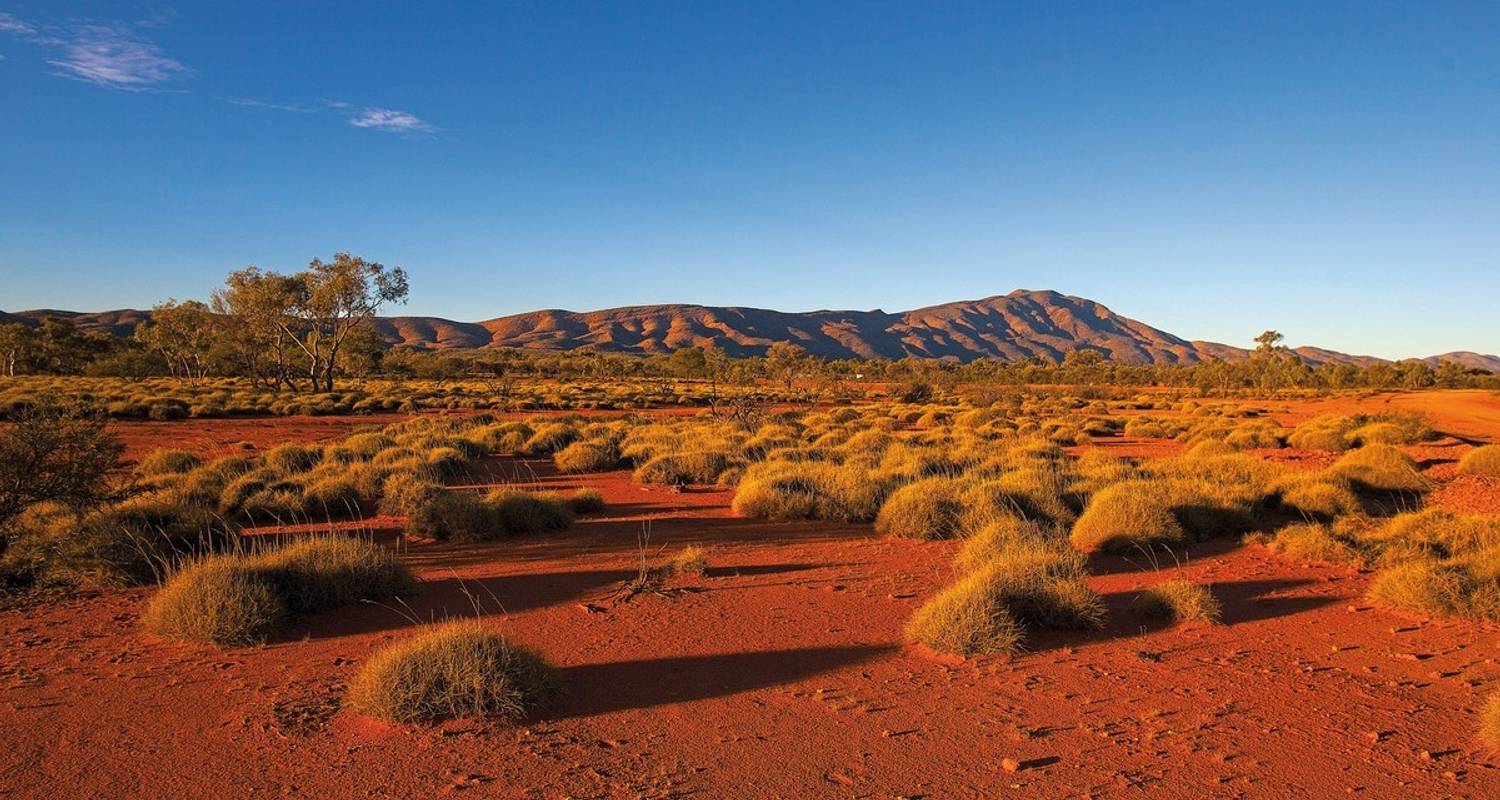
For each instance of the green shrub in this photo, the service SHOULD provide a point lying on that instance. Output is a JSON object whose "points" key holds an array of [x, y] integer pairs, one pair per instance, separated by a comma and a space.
{"points": [[456, 669]]}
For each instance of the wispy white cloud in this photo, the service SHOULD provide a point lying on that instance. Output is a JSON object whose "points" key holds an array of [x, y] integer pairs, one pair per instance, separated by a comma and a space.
{"points": [[113, 56], [10, 24], [250, 102], [385, 119]]}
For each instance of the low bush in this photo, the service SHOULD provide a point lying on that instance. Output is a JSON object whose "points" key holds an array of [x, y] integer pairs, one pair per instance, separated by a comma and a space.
{"points": [[456, 515], [216, 601], [291, 459], [1489, 721], [516, 512], [676, 469], [1315, 542], [455, 669], [690, 560], [1319, 496]]}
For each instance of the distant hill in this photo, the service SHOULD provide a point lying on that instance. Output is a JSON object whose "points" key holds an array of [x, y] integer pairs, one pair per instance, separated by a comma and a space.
{"points": [[1468, 359], [1019, 325]]}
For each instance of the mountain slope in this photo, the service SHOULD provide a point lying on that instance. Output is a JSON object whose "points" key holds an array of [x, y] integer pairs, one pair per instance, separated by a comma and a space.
{"points": [[1022, 324]]}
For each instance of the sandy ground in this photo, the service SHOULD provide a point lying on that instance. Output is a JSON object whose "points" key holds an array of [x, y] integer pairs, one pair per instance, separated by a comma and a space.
{"points": [[780, 674]]}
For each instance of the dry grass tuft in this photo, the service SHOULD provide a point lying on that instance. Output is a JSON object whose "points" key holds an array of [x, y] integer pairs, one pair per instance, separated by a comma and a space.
{"points": [[1482, 461], [586, 501], [1315, 542], [927, 509], [455, 669], [1180, 600], [589, 456], [1381, 468], [690, 560], [1125, 516], [240, 599], [216, 601], [989, 610], [1489, 721]]}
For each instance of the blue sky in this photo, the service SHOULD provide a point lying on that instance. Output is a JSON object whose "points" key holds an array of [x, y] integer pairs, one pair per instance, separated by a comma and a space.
{"points": [[1331, 170]]}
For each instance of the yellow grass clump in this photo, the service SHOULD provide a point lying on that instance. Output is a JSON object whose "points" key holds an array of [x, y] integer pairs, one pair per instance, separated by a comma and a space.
{"points": [[1489, 721], [926, 509], [451, 670], [1179, 600], [1380, 468], [990, 609], [1125, 516], [1481, 461], [240, 599], [216, 601], [690, 560], [587, 456]]}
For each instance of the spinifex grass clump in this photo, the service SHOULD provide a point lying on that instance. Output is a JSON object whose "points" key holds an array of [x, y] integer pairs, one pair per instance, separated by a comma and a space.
{"points": [[242, 598], [1179, 600], [1028, 585], [451, 670], [1126, 516], [1483, 462], [1380, 468]]}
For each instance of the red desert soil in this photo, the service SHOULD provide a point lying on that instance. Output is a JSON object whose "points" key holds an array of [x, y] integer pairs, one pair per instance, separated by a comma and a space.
{"points": [[780, 674]]}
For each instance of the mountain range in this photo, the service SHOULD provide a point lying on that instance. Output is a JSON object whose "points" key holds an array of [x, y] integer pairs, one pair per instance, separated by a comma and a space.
{"points": [[1019, 325]]}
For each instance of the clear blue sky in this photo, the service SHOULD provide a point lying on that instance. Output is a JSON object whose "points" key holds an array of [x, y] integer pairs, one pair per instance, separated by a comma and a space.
{"points": [[1328, 169]]}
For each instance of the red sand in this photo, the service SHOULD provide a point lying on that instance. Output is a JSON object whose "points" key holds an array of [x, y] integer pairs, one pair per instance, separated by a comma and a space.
{"points": [[781, 674]]}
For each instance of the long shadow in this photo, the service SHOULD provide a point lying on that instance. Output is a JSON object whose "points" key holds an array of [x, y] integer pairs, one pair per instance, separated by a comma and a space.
{"points": [[1246, 601], [590, 689], [762, 569], [1241, 601], [447, 597], [1138, 561]]}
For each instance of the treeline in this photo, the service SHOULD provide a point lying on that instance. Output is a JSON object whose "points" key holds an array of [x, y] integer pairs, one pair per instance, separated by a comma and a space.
{"points": [[301, 331]]}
